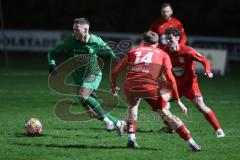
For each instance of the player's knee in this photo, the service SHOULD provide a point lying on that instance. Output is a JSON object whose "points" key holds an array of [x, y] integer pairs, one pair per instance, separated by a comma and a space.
{"points": [[205, 109], [200, 104], [202, 107], [132, 113], [83, 97], [168, 105], [171, 119], [92, 114]]}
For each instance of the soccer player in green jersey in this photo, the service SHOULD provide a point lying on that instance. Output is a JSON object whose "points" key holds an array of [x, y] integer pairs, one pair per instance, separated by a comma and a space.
{"points": [[87, 77]]}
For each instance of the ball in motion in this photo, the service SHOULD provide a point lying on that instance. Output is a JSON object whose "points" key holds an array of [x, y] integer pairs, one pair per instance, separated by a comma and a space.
{"points": [[33, 127]]}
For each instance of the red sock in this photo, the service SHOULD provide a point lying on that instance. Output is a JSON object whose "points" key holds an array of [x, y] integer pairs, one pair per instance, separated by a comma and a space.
{"points": [[211, 118], [131, 126], [183, 133]]}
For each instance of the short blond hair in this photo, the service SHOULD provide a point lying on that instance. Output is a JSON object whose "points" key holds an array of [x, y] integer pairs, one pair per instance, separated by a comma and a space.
{"points": [[82, 21]]}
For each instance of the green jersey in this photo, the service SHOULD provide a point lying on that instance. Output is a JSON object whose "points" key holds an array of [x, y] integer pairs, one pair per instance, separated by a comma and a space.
{"points": [[73, 48]]}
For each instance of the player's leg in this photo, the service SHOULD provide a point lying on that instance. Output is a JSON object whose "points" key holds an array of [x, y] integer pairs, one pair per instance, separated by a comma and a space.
{"points": [[193, 93], [166, 95], [90, 103], [159, 106], [87, 87], [209, 115], [178, 126], [110, 121], [132, 113], [90, 111]]}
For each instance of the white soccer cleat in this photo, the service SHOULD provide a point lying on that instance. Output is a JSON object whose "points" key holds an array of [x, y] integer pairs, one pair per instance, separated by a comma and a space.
{"points": [[220, 133], [121, 128]]}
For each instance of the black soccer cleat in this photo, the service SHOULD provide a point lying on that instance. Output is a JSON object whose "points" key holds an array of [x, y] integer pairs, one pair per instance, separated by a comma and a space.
{"points": [[195, 147], [132, 144]]}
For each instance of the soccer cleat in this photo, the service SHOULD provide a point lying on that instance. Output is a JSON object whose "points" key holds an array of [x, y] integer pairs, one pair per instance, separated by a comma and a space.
{"points": [[132, 144], [166, 129], [220, 133], [110, 127], [195, 147], [121, 128]]}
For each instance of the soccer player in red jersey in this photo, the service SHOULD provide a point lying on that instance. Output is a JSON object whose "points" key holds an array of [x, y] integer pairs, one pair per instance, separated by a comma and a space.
{"points": [[166, 21], [145, 65], [182, 58]]}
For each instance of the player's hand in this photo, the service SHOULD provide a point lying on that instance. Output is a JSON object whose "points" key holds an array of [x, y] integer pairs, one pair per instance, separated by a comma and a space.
{"points": [[114, 91], [182, 106], [52, 69], [209, 74]]}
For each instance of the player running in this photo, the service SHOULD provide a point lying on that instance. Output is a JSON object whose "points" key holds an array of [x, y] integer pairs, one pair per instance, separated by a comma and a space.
{"points": [[166, 21], [145, 65], [87, 77], [182, 58]]}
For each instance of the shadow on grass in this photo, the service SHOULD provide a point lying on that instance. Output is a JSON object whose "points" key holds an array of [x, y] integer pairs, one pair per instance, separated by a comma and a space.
{"points": [[26, 135], [84, 146], [141, 130], [23, 135]]}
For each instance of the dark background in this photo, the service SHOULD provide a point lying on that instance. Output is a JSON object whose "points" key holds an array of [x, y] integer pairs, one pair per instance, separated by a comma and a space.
{"points": [[199, 17]]}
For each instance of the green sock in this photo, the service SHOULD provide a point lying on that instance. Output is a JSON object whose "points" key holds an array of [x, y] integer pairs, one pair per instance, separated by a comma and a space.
{"points": [[84, 103], [96, 106], [113, 119]]}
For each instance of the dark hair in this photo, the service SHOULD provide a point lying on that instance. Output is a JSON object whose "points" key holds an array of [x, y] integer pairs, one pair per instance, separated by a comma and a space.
{"points": [[82, 21], [172, 30], [165, 5], [150, 37]]}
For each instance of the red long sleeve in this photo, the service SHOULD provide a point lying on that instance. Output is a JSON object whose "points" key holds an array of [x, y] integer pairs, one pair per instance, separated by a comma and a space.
{"points": [[202, 59]]}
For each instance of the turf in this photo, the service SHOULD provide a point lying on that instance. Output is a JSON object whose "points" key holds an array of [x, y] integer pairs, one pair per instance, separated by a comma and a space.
{"points": [[25, 94]]}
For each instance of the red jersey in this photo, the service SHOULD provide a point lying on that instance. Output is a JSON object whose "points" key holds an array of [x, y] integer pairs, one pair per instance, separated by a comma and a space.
{"points": [[160, 25], [144, 66], [183, 63]]}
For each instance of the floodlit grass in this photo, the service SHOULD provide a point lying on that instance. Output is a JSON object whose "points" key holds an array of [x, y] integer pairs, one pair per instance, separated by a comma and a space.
{"points": [[26, 94]]}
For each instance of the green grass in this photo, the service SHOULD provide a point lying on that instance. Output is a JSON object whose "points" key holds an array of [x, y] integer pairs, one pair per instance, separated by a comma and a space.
{"points": [[26, 94]]}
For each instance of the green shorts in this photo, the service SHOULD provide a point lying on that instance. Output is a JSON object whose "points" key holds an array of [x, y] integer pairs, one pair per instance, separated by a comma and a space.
{"points": [[92, 81]]}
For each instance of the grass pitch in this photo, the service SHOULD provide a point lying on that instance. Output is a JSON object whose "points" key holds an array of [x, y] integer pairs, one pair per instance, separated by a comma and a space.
{"points": [[26, 94]]}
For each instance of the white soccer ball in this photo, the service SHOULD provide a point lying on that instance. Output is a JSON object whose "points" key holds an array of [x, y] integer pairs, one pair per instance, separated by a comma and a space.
{"points": [[33, 127]]}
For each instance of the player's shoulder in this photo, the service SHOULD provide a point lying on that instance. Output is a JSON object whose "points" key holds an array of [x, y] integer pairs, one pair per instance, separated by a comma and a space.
{"points": [[175, 20], [146, 49], [164, 54], [69, 38], [187, 49], [157, 21], [95, 39]]}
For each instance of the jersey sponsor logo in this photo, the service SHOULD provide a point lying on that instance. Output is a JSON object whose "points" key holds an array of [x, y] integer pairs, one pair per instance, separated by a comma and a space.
{"points": [[181, 59], [139, 69], [178, 71]]}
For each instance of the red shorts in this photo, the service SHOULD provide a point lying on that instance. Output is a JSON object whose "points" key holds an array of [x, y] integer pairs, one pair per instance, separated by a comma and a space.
{"points": [[190, 90], [150, 93]]}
